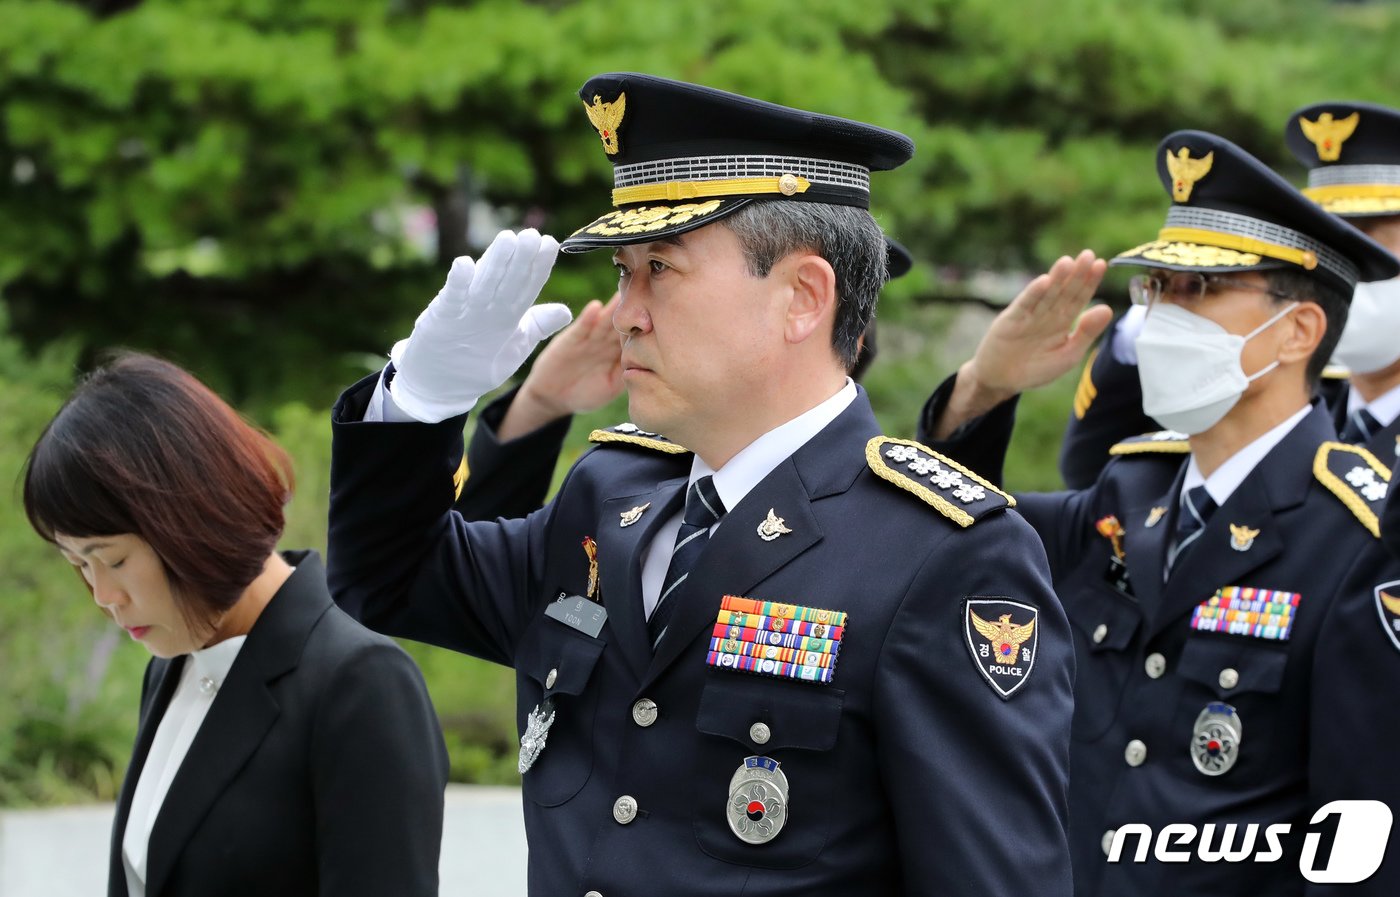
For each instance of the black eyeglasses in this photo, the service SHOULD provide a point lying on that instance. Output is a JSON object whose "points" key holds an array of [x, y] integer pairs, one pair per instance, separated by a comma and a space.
{"points": [[1189, 286]]}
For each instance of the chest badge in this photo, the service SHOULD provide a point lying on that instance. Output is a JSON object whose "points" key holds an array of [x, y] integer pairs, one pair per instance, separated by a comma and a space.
{"points": [[1242, 537], [632, 515], [772, 527], [758, 800], [1215, 740], [1001, 634]]}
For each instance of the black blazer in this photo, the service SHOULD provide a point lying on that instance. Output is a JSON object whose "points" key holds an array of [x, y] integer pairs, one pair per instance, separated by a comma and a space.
{"points": [[320, 768]]}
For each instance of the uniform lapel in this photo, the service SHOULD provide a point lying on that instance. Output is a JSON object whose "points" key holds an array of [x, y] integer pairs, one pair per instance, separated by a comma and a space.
{"points": [[1277, 483], [737, 560], [1385, 445], [1146, 546], [165, 676], [240, 716], [621, 551]]}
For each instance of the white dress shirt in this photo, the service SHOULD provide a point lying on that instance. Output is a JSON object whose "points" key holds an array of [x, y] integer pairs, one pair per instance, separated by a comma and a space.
{"points": [[736, 478], [203, 673], [1385, 409], [1227, 477]]}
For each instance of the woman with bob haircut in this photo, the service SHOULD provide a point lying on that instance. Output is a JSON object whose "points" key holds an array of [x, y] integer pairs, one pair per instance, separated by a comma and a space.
{"points": [[282, 748]]}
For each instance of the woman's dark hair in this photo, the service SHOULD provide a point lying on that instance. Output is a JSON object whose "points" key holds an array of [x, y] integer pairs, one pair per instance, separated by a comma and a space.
{"points": [[142, 447]]}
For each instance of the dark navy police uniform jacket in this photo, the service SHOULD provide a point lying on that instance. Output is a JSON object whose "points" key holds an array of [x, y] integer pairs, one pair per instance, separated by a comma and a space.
{"points": [[1153, 656], [909, 771]]}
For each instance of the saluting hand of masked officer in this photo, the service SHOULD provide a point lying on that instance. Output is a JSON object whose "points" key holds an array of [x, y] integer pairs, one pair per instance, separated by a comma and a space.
{"points": [[1039, 337], [479, 328]]}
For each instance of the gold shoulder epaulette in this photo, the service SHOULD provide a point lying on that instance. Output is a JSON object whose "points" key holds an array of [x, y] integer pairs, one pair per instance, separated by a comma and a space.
{"points": [[1357, 477], [459, 478], [1336, 372], [1086, 391], [1162, 442], [631, 434], [958, 493]]}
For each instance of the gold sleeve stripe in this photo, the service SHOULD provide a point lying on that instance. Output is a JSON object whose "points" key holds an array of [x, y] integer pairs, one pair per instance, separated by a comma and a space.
{"points": [[1086, 392], [459, 479]]}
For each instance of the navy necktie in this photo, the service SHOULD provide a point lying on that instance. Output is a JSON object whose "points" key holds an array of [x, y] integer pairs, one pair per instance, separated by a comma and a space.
{"points": [[1361, 426], [1191, 518], [703, 509]]}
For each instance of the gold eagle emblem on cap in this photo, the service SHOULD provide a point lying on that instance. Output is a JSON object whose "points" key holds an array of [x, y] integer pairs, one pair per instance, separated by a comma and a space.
{"points": [[1328, 134], [1006, 637], [1186, 171], [607, 118]]}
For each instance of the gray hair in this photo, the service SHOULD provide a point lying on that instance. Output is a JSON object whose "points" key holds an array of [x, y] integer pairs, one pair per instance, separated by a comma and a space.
{"points": [[847, 237]]}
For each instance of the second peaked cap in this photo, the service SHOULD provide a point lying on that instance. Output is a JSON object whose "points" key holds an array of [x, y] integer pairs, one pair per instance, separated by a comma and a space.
{"points": [[1231, 212], [685, 156]]}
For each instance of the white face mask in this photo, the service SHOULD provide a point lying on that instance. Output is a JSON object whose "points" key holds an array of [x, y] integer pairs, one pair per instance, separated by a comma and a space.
{"points": [[1190, 367], [1371, 339]]}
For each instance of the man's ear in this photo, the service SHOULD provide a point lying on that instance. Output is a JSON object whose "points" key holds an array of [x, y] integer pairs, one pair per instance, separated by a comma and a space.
{"points": [[811, 303], [1306, 326]]}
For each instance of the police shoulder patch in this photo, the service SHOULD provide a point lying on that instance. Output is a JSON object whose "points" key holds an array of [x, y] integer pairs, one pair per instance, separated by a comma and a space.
{"points": [[1002, 636], [958, 493], [1162, 442], [1388, 606], [1355, 476], [631, 434]]}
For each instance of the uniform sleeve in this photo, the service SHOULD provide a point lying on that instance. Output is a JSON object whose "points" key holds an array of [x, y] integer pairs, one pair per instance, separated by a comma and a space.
{"points": [[1107, 410], [399, 559], [980, 443], [379, 768], [1354, 731], [509, 479], [969, 774]]}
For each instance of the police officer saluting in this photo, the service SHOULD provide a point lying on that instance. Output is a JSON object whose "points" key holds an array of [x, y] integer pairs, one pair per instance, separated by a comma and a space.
{"points": [[1201, 568], [772, 651]]}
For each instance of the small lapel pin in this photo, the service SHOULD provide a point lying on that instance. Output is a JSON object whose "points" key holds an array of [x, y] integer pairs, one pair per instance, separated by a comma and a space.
{"points": [[635, 514], [772, 527], [1154, 517], [1113, 531], [1242, 537]]}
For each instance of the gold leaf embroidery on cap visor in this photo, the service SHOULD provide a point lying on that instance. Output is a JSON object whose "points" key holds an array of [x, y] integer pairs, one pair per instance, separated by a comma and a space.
{"points": [[647, 219], [1192, 254]]}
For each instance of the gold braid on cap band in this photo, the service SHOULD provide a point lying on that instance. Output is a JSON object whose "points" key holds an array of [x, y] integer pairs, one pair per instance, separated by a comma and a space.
{"points": [[673, 191], [1352, 191], [1304, 258]]}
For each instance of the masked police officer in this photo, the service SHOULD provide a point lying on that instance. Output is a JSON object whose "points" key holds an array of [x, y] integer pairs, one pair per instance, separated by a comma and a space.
{"points": [[776, 652], [1352, 153], [1200, 570]]}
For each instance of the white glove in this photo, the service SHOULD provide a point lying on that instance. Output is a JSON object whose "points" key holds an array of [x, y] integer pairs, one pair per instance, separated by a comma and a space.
{"points": [[479, 328]]}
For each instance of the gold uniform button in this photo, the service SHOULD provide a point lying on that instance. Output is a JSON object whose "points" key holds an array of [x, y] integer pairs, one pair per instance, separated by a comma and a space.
{"points": [[644, 712], [760, 733], [787, 184], [625, 809], [1100, 633], [1229, 677]]}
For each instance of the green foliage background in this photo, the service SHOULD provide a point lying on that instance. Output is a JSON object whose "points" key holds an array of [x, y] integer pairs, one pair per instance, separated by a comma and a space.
{"points": [[231, 183]]}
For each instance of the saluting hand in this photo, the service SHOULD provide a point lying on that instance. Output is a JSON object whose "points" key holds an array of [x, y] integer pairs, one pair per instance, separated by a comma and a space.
{"points": [[1041, 335], [479, 328]]}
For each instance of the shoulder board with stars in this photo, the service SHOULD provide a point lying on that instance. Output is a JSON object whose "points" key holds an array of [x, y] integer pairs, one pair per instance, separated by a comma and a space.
{"points": [[1162, 442], [958, 493], [1355, 476], [631, 434]]}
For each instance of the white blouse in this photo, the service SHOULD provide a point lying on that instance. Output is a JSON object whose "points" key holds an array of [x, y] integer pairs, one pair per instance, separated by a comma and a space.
{"points": [[203, 673]]}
